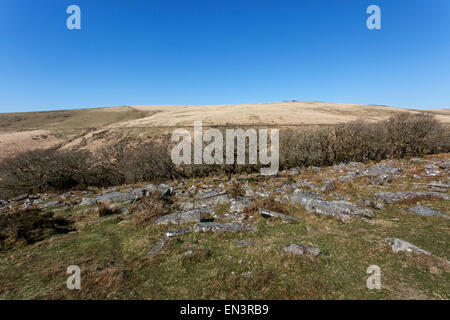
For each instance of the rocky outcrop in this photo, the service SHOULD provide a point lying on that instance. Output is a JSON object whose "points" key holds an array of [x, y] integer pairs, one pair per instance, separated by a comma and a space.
{"points": [[425, 211], [238, 204], [372, 204], [338, 209], [177, 232], [399, 245], [134, 195], [183, 217], [158, 247], [272, 214], [398, 197], [215, 226], [301, 249], [20, 197], [50, 204]]}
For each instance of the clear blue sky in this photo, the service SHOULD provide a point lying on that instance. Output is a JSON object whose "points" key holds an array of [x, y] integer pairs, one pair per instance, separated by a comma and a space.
{"points": [[223, 52]]}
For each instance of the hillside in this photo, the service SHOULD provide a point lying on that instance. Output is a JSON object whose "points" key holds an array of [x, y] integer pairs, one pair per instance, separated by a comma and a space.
{"points": [[90, 128], [304, 234]]}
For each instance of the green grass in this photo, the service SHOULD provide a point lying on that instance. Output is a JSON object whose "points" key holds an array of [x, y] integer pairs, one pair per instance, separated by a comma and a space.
{"points": [[114, 263], [112, 254]]}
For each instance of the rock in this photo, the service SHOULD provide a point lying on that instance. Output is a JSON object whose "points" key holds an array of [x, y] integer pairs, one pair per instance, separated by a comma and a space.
{"points": [[425, 211], [177, 232], [371, 204], [272, 214], [262, 194], [232, 216], [249, 191], [439, 186], [402, 245], [21, 197], [206, 199], [182, 217], [211, 195], [50, 204], [150, 188], [382, 170], [301, 249], [244, 243], [379, 174], [66, 195], [330, 186], [165, 190], [338, 209], [187, 253], [294, 171], [445, 165], [87, 202], [432, 171], [158, 247], [397, 197], [135, 194], [238, 204], [215, 226]]}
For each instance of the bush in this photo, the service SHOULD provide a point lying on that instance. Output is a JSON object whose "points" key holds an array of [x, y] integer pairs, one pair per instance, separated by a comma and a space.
{"points": [[150, 208], [131, 161], [400, 136], [106, 209], [236, 190], [29, 226]]}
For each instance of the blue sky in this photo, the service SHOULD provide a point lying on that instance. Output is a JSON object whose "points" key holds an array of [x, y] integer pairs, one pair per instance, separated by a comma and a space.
{"points": [[223, 52]]}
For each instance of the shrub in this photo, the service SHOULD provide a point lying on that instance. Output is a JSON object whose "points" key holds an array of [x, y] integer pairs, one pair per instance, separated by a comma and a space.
{"points": [[29, 226], [150, 208], [236, 190], [106, 209]]}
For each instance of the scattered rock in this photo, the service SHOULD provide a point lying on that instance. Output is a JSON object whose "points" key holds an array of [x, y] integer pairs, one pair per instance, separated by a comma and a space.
{"points": [[215, 226], [249, 191], [231, 216], [238, 204], [272, 214], [330, 186], [244, 243], [432, 171], [182, 217], [425, 211], [21, 197], [134, 195], [87, 201], [439, 186], [372, 204], [402, 245], [158, 247], [50, 204], [397, 197], [66, 195], [178, 232], [301, 249], [445, 165], [338, 209], [294, 171]]}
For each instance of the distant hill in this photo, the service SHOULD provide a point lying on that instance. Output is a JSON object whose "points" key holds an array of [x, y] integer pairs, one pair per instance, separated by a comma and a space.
{"points": [[92, 127]]}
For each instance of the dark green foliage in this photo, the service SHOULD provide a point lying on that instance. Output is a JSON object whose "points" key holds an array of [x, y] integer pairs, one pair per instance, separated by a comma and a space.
{"points": [[29, 226]]}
